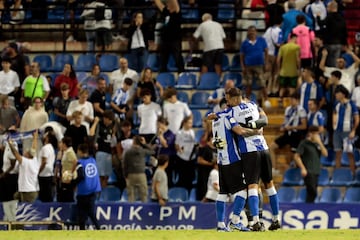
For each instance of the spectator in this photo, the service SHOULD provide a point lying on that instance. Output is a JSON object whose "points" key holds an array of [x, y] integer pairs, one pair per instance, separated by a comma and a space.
{"points": [[46, 171], [33, 118], [314, 10], [274, 11], [305, 39], [219, 94], [170, 34], [185, 146], [84, 106], [213, 35], [66, 164], [148, 113], [89, 25], [61, 105], [355, 97], [288, 62], [319, 46], [9, 116], [274, 39], [315, 117], [118, 76], [253, 56], [9, 80], [88, 186], [121, 98], [17, 14], [295, 123], [160, 181], [67, 76], [90, 82], [104, 141], [34, 85], [335, 33], [9, 183], [347, 74], [148, 82], [213, 187], [165, 145], [28, 183], [134, 169], [346, 120], [118, 15], [174, 110], [289, 19], [310, 89], [98, 97], [17, 60], [103, 16], [206, 157], [138, 45], [307, 158], [76, 131]]}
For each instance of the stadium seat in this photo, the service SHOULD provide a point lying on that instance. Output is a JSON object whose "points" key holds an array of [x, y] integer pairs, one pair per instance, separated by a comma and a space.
{"points": [[235, 63], [330, 195], [323, 179], [44, 61], [124, 196], [153, 62], [226, 12], [183, 96], [171, 66], [189, 13], [166, 79], [225, 66], [236, 77], [209, 81], [178, 194], [301, 196], [186, 80], [357, 178], [110, 194], [112, 178], [81, 76], [292, 177], [286, 194], [108, 62], [192, 196], [198, 134], [345, 160], [85, 62], [199, 100], [341, 177], [197, 118], [61, 59], [352, 195]]}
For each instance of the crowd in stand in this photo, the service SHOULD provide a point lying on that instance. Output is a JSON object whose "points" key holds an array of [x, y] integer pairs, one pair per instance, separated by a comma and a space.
{"points": [[303, 55]]}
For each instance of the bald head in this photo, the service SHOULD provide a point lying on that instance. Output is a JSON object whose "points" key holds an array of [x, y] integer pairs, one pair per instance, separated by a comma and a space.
{"points": [[206, 16], [229, 84], [332, 6]]}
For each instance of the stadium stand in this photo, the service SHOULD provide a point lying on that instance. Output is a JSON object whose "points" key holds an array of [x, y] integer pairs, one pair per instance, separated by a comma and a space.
{"points": [[330, 195], [166, 79], [287, 194], [352, 195], [199, 100], [292, 177], [111, 194], [178, 194], [85, 62], [341, 177], [209, 81]]}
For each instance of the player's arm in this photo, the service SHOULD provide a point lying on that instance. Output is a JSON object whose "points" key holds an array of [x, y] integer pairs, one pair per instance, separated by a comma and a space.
{"points": [[260, 123], [14, 151]]}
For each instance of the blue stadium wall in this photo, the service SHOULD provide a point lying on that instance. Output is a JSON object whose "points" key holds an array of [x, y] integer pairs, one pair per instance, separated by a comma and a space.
{"points": [[126, 216]]}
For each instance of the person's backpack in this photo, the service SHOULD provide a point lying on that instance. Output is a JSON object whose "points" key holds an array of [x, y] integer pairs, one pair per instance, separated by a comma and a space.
{"points": [[100, 13]]}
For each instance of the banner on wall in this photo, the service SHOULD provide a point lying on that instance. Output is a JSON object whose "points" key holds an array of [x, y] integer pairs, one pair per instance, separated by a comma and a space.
{"points": [[126, 216]]}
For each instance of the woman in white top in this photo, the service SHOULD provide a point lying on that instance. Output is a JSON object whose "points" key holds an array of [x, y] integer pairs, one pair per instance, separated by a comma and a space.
{"points": [[185, 145], [213, 187]]}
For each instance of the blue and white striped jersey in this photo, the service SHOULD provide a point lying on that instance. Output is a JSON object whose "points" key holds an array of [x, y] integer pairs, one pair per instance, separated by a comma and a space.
{"points": [[344, 116], [310, 91], [293, 116], [221, 128], [316, 119]]}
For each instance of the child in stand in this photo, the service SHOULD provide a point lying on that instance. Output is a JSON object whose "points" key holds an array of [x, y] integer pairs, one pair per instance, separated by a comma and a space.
{"points": [[213, 187], [160, 181]]}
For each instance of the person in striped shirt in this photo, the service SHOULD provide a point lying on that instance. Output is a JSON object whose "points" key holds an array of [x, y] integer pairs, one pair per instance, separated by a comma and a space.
{"points": [[345, 122]]}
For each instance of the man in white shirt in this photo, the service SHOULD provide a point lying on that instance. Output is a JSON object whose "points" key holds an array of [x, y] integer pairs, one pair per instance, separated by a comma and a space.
{"points": [[213, 35], [347, 74], [9, 80], [118, 76], [174, 110]]}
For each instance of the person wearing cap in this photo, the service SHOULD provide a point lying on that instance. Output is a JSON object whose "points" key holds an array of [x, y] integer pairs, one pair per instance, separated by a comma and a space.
{"points": [[9, 79], [346, 120], [288, 62], [28, 182], [347, 73]]}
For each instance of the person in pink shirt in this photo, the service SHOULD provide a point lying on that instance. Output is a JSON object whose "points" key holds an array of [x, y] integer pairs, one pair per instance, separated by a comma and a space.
{"points": [[68, 76], [305, 38]]}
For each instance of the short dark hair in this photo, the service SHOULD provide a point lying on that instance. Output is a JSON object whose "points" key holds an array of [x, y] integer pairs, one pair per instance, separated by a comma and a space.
{"points": [[315, 101], [128, 81], [67, 141], [162, 159], [300, 18], [109, 115], [145, 92], [313, 129], [126, 123], [234, 92], [295, 95], [163, 120], [169, 92], [342, 89], [84, 148], [292, 35], [336, 74]]}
